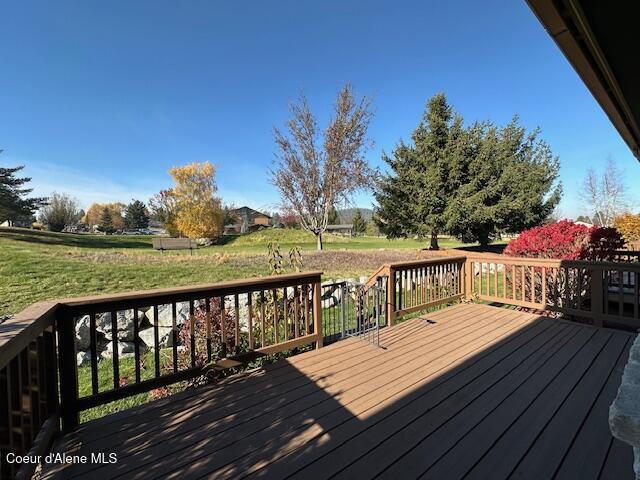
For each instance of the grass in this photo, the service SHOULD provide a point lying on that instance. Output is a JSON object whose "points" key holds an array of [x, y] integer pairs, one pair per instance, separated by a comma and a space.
{"points": [[43, 265]]}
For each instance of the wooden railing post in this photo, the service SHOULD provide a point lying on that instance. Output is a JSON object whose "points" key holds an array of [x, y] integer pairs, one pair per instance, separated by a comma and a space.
{"points": [[317, 313], [68, 372], [468, 279], [391, 297], [51, 372], [597, 296]]}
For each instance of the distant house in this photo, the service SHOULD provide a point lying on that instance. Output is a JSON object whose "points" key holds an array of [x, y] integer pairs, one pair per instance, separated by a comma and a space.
{"points": [[585, 224], [156, 227], [345, 229], [247, 220], [23, 223]]}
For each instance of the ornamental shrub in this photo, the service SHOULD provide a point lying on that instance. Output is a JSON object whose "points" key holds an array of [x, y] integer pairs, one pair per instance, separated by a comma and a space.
{"points": [[568, 241]]}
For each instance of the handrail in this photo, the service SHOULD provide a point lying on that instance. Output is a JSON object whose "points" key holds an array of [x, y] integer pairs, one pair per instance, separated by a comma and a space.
{"points": [[603, 264], [186, 293], [419, 284], [19, 331], [425, 262], [250, 318], [601, 291]]}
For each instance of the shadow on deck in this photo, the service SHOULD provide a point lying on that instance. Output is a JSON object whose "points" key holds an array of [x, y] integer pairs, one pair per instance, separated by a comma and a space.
{"points": [[469, 391]]}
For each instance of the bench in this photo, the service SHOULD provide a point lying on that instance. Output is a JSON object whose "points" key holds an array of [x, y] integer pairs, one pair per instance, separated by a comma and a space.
{"points": [[163, 244]]}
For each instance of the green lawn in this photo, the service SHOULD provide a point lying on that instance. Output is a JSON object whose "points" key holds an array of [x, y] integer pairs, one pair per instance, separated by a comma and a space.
{"points": [[42, 265]]}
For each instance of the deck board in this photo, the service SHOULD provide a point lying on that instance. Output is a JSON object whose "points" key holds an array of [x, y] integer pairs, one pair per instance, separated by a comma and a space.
{"points": [[467, 390]]}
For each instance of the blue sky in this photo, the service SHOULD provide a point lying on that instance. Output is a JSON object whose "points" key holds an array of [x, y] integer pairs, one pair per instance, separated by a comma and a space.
{"points": [[99, 99]]}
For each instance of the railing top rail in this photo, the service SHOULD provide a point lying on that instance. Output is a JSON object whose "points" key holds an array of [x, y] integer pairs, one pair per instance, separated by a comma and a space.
{"points": [[425, 261], [193, 292], [17, 332], [553, 262], [600, 265], [496, 258]]}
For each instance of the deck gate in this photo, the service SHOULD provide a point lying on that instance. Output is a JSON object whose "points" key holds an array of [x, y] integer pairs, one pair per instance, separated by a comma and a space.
{"points": [[354, 310]]}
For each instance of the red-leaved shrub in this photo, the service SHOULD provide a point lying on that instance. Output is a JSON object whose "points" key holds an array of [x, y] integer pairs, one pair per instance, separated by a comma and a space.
{"points": [[566, 240]]}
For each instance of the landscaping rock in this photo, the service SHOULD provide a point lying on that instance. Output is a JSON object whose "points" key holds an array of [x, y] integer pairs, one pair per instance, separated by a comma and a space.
{"points": [[82, 358], [124, 324], [164, 335], [204, 242], [165, 315], [125, 349], [4, 318], [331, 296], [243, 307], [83, 334]]}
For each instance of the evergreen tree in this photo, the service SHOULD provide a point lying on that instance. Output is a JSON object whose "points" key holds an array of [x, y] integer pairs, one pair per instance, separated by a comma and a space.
{"points": [[135, 215], [372, 229], [475, 183], [505, 181], [14, 204], [334, 216], [106, 221], [359, 225], [413, 197]]}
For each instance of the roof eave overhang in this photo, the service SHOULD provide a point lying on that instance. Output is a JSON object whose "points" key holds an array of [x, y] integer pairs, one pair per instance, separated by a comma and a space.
{"points": [[565, 21]]}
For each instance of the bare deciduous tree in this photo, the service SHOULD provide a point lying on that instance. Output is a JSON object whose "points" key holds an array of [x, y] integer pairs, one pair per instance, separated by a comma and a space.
{"points": [[313, 178], [61, 211], [605, 194]]}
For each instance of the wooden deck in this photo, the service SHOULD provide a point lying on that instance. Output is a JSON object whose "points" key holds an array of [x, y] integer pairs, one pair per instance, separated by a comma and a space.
{"points": [[469, 391]]}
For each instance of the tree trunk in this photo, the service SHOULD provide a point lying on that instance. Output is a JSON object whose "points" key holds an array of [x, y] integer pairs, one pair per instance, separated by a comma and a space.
{"points": [[319, 240], [434, 241], [483, 240]]}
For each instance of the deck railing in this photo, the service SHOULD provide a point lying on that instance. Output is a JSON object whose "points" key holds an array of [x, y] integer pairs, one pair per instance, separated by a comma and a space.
{"points": [[132, 343], [420, 284], [131, 346], [603, 292], [28, 387]]}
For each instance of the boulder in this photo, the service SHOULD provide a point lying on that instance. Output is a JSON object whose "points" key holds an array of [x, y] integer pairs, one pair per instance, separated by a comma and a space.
{"points": [[83, 334], [82, 358], [124, 324], [165, 314], [165, 338], [331, 296], [243, 307], [125, 349]]}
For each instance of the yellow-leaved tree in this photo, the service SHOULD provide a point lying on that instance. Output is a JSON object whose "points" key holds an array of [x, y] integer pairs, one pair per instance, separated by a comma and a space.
{"points": [[94, 214], [198, 212], [629, 226]]}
